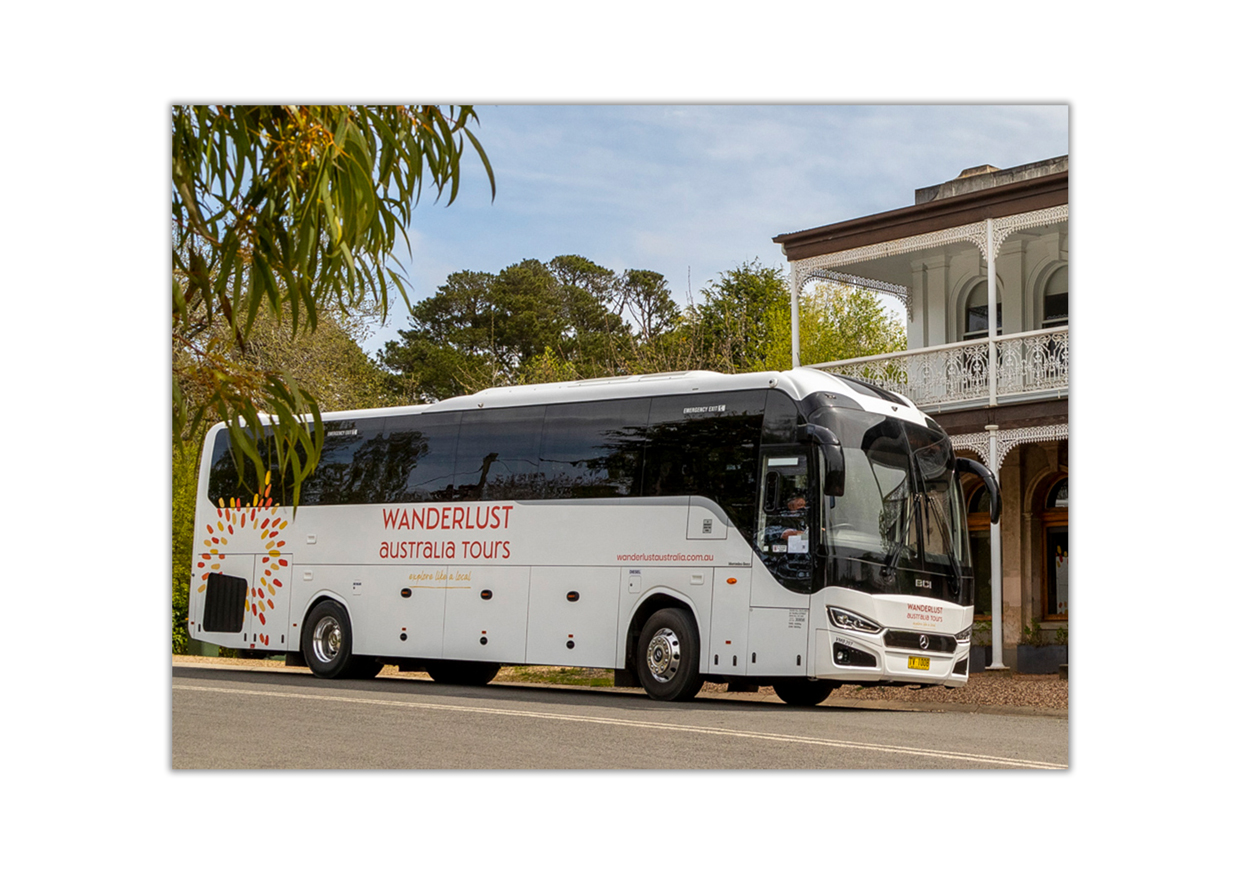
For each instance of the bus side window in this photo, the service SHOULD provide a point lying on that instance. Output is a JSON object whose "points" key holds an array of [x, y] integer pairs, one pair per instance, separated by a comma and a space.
{"points": [[497, 454], [707, 445], [785, 533], [593, 449], [422, 456], [348, 465], [226, 484], [779, 424]]}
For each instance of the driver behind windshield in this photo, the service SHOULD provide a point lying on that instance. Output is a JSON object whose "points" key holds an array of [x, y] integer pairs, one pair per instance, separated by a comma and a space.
{"points": [[790, 523]]}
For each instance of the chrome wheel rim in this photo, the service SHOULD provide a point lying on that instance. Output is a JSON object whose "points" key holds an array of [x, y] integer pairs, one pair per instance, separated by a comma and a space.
{"points": [[327, 639], [663, 655]]}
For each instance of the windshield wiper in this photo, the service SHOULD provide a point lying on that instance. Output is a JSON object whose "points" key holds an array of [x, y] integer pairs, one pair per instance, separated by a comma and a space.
{"points": [[957, 577], [953, 585], [894, 556], [899, 539]]}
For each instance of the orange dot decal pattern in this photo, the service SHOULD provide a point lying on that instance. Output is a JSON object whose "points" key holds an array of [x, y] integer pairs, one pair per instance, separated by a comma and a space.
{"points": [[253, 528]]}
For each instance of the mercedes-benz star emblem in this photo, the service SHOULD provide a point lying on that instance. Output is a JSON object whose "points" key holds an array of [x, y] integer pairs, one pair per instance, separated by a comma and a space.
{"points": [[923, 641]]}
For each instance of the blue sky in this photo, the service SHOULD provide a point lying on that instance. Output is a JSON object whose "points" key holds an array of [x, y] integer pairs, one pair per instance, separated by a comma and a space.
{"points": [[693, 190]]}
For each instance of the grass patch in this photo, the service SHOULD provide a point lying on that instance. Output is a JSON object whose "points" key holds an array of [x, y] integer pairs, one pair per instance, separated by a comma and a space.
{"points": [[557, 676]]}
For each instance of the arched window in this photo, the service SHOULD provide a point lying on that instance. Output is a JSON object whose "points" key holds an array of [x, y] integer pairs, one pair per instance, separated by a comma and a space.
{"points": [[979, 549], [976, 314], [1055, 549], [1055, 300]]}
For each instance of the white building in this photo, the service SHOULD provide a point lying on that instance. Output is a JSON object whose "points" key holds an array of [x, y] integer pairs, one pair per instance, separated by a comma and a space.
{"points": [[987, 355]]}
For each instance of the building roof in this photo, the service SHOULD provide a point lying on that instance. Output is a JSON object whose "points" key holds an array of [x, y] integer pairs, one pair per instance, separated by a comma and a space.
{"points": [[987, 176], [971, 197]]}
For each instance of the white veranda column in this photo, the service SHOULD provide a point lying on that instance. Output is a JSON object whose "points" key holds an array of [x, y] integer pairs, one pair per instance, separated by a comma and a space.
{"points": [[796, 320], [996, 539], [996, 568]]}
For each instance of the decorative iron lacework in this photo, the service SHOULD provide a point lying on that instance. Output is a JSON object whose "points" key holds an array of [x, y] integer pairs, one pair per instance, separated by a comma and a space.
{"points": [[1010, 223], [1027, 363], [1006, 441], [805, 269], [899, 292]]}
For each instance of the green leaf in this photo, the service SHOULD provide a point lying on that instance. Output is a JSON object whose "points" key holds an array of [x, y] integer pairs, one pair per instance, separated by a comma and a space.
{"points": [[482, 155], [256, 237]]}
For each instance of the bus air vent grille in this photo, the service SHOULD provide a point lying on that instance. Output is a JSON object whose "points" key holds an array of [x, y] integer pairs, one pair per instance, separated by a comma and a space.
{"points": [[224, 609]]}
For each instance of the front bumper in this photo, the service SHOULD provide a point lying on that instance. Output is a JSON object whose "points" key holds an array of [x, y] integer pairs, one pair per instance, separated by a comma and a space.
{"points": [[850, 657]]}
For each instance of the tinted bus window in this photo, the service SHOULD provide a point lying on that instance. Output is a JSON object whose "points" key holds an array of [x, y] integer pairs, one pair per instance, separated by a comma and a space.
{"points": [[421, 457], [780, 424], [225, 484], [707, 445], [593, 450], [350, 465], [497, 454]]}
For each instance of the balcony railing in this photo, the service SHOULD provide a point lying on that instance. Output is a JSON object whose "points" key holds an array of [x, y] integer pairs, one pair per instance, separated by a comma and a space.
{"points": [[1028, 366]]}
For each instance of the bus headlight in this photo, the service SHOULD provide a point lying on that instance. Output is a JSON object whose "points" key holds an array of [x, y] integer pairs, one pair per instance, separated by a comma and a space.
{"points": [[964, 636], [851, 621]]}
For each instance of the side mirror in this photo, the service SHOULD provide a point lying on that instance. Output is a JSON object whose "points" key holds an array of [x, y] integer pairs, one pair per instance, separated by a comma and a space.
{"points": [[968, 465], [832, 455]]}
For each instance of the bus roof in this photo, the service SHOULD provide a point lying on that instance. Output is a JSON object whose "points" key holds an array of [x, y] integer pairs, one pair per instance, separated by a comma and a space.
{"points": [[796, 383]]}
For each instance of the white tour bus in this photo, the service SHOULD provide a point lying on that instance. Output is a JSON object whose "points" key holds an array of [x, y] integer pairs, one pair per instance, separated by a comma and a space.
{"points": [[789, 529]]}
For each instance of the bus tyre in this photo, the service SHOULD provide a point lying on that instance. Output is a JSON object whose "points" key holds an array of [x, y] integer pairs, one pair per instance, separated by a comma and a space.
{"points": [[327, 643], [463, 673], [667, 656], [803, 693]]}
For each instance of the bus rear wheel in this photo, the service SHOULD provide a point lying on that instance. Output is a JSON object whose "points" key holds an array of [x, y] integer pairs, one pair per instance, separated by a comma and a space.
{"points": [[327, 645], [667, 656], [803, 693], [463, 673]]}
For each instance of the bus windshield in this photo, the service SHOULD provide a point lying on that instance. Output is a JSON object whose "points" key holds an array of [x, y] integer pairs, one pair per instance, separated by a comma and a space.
{"points": [[901, 508]]}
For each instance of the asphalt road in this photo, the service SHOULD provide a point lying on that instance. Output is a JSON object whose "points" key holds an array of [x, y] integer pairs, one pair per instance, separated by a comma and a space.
{"points": [[257, 719]]}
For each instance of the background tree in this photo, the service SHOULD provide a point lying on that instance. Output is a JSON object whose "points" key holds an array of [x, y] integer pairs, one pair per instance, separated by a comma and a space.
{"points": [[736, 317], [292, 211], [574, 319], [645, 298], [529, 323], [837, 322], [450, 347], [598, 335]]}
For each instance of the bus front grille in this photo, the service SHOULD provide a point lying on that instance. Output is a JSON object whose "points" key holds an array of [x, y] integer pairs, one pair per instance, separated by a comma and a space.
{"points": [[913, 640]]}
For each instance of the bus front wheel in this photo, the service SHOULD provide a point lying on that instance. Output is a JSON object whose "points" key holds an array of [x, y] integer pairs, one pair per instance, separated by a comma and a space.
{"points": [[327, 645], [667, 656]]}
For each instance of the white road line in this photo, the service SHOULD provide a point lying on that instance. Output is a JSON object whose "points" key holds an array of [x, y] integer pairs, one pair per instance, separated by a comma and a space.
{"points": [[974, 758]]}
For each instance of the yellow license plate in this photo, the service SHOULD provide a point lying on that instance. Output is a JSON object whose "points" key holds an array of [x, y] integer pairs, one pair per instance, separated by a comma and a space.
{"points": [[920, 663]]}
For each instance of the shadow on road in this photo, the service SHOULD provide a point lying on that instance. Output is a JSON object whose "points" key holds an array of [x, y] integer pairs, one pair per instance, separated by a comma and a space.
{"points": [[630, 700]]}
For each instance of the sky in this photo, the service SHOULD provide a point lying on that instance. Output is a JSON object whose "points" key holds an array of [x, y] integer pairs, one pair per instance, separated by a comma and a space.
{"points": [[691, 191]]}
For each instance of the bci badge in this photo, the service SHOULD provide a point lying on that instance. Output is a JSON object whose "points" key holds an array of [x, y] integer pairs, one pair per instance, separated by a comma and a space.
{"points": [[922, 584]]}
